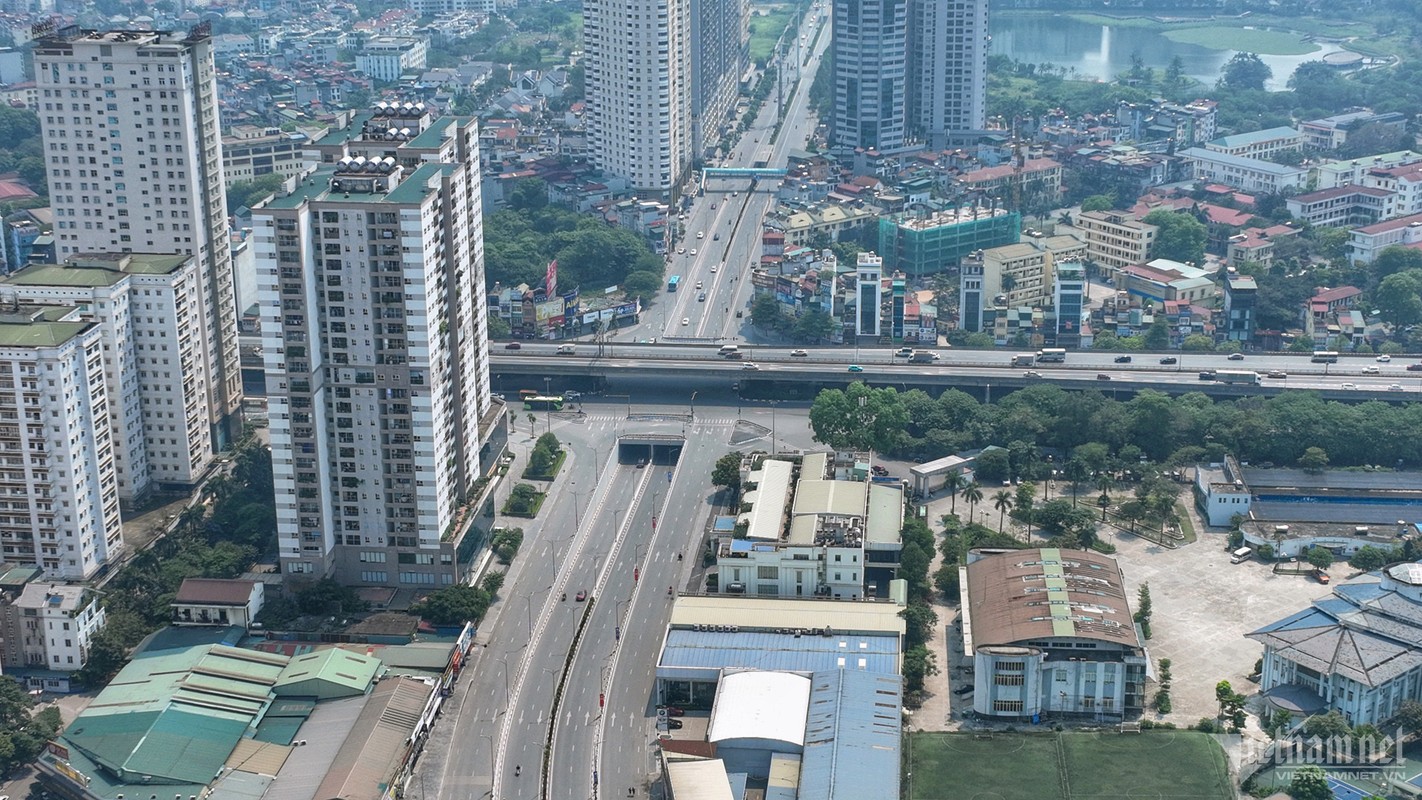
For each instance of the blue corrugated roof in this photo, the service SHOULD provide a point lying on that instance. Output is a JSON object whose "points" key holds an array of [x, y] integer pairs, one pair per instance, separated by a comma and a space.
{"points": [[852, 737], [1308, 618], [778, 651]]}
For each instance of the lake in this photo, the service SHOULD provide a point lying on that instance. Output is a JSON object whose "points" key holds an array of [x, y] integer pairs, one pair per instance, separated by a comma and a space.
{"points": [[1099, 51]]}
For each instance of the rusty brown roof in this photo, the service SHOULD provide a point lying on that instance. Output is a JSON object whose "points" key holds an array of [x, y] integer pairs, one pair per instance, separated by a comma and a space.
{"points": [[215, 591], [1044, 593], [371, 754]]}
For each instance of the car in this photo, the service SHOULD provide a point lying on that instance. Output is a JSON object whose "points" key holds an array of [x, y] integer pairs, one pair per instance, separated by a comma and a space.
{"points": [[1031, 373], [1236, 356], [1170, 360], [903, 352], [799, 354], [751, 366], [740, 313], [1414, 367], [1349, 386], [1322, 577], [572, 394], [715, 237], [673, 711], [1101, 376], [698, 285], [715, 269], [701, 298], [513, 346], [641, 463], [713, 206], [1122, 359], [1277, 373], [962, 690], [1395, 387], [674, 724], [1383, 359], [582, 595], [734, 194], [701, 234], [693, 251], [681, 251], [1371, 369], [686, 320], [879, 470], [855, 368]]}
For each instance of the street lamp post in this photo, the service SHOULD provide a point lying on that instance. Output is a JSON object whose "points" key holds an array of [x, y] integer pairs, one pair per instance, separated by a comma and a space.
{"points": [[693, 406]]}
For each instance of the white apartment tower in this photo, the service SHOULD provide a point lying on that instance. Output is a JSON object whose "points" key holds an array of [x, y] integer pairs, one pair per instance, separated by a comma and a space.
{"points": [[133, 154], [59, 504], [870, 57], [720, 54], [948, 45], [370, 274], [50, 626], [639, 93], [145, 305]]}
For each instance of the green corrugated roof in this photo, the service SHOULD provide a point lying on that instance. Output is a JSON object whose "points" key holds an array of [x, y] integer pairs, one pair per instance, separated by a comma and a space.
{"points": [[412, 188], [97, 270], [38, 332], [431, 137], [347, 133], [328, 673]]}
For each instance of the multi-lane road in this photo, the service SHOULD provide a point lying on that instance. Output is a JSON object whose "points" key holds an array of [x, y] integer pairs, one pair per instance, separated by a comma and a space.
{"points": [[728, 218]]}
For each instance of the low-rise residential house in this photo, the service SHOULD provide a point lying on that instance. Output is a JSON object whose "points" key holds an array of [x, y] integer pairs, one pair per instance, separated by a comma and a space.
{"points": [[49, 627], [1340, 206], [1331, 133], [1366, 242], [1258, 144], [1013, 275], [216, 601], [1256, 245], [1162, 279]]}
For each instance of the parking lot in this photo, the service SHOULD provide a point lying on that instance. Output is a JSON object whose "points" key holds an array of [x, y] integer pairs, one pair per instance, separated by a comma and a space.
{"points": [[1202, 607]]}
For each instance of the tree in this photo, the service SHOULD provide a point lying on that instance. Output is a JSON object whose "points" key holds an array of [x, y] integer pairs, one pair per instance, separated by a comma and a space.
{"points": [[765, 312], [1098, 202], [953, 484], [1143, 609], [814, 326], [1320, 557], [1197, 342], [1175, 77], [453, 605], [1002, 501], [1310, 783], [993, 464], [248, 193], [1180, 237], [1369, 558], [1314, 460], [1398, 298], [1409, 716], [528, 194], [727, 472], [1395, 259], [972, 495], [642, 283], [859, 418], [1245, 71], [919, 663], [1157, 336]]}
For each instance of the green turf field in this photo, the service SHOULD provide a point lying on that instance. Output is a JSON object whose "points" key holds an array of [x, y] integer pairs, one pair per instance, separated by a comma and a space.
{"points": [[1155, 765]]}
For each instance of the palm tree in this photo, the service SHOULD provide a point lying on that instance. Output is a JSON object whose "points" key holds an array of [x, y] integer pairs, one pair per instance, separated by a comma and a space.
{"points": [[1002, 501], [191, 518], [1074, 471], [954, 484], [1104, 482], [972, 495]]}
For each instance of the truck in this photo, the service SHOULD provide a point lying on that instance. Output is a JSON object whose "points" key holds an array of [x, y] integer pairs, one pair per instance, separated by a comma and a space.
{"points": [[1051, 354], [923, 357], [1237, 376], [1024, 359]]}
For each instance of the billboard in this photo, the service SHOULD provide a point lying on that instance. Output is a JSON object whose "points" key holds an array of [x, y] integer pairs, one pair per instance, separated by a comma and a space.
{"points": [[548, 310]]}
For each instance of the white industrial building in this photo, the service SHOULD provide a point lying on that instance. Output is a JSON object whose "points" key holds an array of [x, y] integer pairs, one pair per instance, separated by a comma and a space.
{"points": [[1050, 631], [59, 505], [637, 58], [823, 543], [1357, 651], [50, 627], [370, 275], [147, 100], [145, 306]]}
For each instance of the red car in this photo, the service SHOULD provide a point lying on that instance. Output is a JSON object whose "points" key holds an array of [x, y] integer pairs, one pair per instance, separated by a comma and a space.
{"points": [[1414, 367], [513, 346], [582, 595], [673, 711]]}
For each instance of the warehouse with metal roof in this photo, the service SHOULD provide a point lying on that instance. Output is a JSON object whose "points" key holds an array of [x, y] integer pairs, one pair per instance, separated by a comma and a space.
{"points": [[1050, 631]]}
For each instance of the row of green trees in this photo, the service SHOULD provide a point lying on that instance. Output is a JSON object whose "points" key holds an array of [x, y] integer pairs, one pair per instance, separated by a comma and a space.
{"points": [[1105, 433], [919, 616], [23, 733], [219, 538]]}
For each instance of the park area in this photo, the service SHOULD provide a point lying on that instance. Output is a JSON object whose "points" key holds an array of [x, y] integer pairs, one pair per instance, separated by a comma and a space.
{"points": [[1163, 765]]}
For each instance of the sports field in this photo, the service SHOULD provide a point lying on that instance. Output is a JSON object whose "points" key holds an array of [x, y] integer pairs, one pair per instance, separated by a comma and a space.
{"points": [[1154, 765]]}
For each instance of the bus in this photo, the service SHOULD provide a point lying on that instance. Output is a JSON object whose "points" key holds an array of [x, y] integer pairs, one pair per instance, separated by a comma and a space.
{"points": [[1237, 376], [1051, 354], [673, 282], [1325, 357], [541, 403]]}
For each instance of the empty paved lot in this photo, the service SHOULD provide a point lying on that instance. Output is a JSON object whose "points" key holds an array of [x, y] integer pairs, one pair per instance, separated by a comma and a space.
{"points": [[1202, 607]]}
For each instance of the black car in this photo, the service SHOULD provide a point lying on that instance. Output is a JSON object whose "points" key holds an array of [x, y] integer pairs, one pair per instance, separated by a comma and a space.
{"points": [[674, 724], [1123, 359], [1170, 360], [962, 690]]}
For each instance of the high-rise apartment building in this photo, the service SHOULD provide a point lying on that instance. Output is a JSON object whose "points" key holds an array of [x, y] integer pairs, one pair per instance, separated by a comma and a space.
{"points": [[948, 50], [870, 57], [720, 54], [639, 94], [908, 71], [371, 279], [59, 504], [145, 306], [133, 153]]}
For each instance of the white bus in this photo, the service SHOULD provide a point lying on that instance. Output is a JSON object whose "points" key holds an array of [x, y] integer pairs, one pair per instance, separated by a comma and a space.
{"points": [[1051, 354], [1325, 357]]}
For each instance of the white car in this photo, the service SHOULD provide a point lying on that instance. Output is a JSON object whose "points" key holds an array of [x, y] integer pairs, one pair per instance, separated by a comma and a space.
{"points": [[681, 251], [715, 269], [1349, 386], [1396, 387], [798, 354], [1383, 359], [701, 234], [693, 251], [750, 366], [1370, 369], [686, 320]]}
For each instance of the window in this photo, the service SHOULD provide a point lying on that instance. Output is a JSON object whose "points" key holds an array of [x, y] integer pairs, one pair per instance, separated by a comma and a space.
{"points": [[1007, 706], [1008, 680]]}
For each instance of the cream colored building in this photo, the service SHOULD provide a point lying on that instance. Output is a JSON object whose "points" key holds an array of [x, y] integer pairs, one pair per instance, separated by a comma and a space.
{"points": [[1018, 274], [1115, 240]]}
